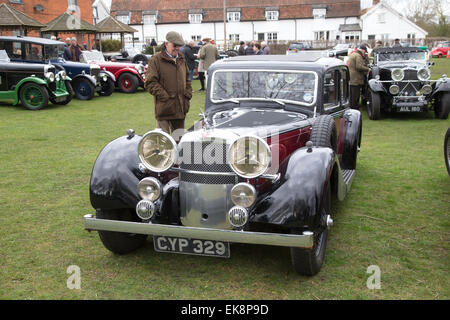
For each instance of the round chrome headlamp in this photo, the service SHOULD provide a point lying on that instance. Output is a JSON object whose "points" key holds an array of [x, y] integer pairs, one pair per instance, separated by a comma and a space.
{"points": [[50, 76], [149, 189], [426, 89], [140, 68], [105, 78], [243, 195], [145, 209], [423, 74], [157, 151], [237, 216], [394, 89], [57, 77], [397, 74], [63, 75], [249, 156]]}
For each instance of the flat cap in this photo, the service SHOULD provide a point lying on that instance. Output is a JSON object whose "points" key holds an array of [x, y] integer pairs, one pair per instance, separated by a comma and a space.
{"points": [[175, 38]]}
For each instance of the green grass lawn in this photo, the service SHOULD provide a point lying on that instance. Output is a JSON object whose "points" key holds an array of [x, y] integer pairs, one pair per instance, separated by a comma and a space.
{"points": [[396, 216]]}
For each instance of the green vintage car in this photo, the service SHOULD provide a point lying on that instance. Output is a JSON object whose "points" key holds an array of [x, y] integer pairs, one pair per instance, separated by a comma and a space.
{"points": [[34, 85]]}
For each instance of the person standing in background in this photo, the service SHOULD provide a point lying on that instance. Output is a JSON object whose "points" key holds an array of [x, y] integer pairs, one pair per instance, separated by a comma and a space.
{"points": [[358, 70], [209, 54], [190, 58], [265, 48]]}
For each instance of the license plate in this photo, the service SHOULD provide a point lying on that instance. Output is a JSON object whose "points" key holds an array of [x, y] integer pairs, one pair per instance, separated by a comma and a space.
{"points": [[192, 246], [409, 109]]}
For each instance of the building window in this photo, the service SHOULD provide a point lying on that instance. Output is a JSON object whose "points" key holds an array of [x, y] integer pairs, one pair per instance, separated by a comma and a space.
{"points": [[233, 37], [322, 35], [352, 36], [124, 19], [411, 36], [233, 16], [149, 19], [272, 36], [381, 18], [319, 13], [16, 1], [196, 38], [195, 17], [72, 3], [272, 15], [371, 37]]}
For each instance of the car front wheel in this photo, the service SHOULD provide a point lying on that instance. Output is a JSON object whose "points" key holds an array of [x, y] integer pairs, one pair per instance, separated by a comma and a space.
{"points": [[119, 242], [128, 83], [33, 96], [107, 88], [84, 89], [442, 106], [68, 98], [374, 107], [308, 262]]}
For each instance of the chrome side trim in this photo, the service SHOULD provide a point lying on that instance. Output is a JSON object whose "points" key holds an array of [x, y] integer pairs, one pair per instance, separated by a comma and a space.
{"points": [[305, 240]]}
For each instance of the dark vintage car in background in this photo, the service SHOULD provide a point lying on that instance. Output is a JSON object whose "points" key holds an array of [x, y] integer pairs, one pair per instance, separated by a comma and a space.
{"points": [[129, 76], [276, 143], [86, 78], [128, 54], [399, 81], [298, 47], [34, 85]]}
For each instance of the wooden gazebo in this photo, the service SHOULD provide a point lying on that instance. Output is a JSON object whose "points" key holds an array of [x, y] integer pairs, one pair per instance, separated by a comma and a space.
{"points": [[12, 19], [111, 25], [69, 23]]}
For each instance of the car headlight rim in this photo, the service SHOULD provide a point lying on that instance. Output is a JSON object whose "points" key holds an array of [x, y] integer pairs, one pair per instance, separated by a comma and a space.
{"points": [[154, 193], [246, 200], [394, 89], [171, 155], [397, 74], [241, 172], [50, 76], [423, 74]]}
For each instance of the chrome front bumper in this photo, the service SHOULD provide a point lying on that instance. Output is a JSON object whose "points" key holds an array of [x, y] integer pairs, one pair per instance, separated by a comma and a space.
{"points": [[305, 240]]}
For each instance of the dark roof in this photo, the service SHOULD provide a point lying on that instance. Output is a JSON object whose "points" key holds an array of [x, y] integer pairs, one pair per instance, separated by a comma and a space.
{"points": [[14, 18], [64, 23], [111, 25], [30, 39], [171, 11], [308, 60], [350, 27]]}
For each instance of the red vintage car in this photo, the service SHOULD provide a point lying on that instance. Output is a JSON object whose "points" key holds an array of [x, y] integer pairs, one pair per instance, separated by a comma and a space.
{"points": [[128, 76], [441, 50]]}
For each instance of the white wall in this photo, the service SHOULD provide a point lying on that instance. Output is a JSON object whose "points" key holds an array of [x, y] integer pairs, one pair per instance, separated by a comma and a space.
{"points": [[394, 26]]}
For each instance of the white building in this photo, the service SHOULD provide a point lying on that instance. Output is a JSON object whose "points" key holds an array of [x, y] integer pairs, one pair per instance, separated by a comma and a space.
{"points": [[100, 10], [384, 22]]}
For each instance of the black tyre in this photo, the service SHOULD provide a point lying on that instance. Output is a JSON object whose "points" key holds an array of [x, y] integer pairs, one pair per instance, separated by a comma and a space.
{"points": [[374, 107], [308, 262], [33, 96], [128, 82], [119, 242], [324, 132], [447, 150], [140, 58], [83, 88], [351, 148], [442, 106], [108, 87], [68, 98]]}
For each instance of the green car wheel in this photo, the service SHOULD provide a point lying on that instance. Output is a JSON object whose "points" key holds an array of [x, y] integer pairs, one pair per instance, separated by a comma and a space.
{"points": [[33, 96]]}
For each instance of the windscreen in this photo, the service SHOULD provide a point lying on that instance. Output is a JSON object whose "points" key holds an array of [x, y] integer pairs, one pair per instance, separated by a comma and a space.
{"points": [[286, 86], [402, 56]]}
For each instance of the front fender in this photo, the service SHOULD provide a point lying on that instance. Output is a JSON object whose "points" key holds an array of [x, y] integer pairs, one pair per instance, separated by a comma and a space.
{"points": [[108, 74], [124, 70], [441, 86], [88, 77], [116, 174], [22, 82], [376, 86], [297, 201]]}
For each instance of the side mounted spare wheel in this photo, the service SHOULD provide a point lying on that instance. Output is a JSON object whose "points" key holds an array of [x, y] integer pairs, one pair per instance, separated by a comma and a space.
{"points": [[120, 242], [324, 133]]}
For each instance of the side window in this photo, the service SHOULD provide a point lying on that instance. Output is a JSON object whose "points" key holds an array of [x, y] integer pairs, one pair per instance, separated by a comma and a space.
{"points": [[33, 52], [13, 49], [344, 86], [330, 89]]}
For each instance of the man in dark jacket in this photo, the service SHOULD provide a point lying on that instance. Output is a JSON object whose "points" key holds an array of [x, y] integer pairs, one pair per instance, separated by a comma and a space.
{"points": [[75, 50], [168, 81], [249, 50], [358, 70], [190, 58], [241, 50], [257, 49]]}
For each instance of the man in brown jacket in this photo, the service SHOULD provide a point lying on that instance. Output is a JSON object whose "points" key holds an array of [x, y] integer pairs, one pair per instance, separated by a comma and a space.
{"points": [[75, 50], [168, 81], [358, 70]]}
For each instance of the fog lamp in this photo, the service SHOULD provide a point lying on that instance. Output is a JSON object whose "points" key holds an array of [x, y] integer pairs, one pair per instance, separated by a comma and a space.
{"points": [[394, 89], [145, 209], [427, 89], [243, 195], [237, 216], [149, 189]]}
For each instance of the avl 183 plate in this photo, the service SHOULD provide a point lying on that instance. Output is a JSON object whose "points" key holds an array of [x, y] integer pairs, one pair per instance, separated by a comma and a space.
{"points": [[192, 246]]}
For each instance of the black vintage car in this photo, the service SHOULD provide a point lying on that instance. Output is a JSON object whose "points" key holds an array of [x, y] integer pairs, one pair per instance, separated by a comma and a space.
{"points": [[34, 85], [400, 82], [276, 144]]}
